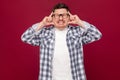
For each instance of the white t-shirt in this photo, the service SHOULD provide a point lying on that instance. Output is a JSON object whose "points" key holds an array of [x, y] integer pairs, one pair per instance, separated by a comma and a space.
{"points": [[61, 58]]}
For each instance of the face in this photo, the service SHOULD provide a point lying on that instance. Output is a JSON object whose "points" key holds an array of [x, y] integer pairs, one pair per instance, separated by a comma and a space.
{"points": [[60, 18]]}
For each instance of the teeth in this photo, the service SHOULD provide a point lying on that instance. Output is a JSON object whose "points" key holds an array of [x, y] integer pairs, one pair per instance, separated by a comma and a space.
{"points": [[60, 22]]}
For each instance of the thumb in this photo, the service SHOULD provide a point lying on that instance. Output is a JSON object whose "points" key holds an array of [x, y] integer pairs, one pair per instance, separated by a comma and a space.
{"points": [[70, 22]]}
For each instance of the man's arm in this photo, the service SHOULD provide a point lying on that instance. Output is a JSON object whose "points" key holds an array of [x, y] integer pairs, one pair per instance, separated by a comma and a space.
{"points": [[32, 36], [90, 33]]}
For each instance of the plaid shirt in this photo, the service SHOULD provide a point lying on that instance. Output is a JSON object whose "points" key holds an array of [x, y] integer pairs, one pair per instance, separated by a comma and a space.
{"points": [[76, 38]]}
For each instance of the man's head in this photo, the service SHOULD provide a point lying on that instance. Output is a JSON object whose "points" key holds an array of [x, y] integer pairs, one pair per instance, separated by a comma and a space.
{"points": [[60, 15], [59, 6]]}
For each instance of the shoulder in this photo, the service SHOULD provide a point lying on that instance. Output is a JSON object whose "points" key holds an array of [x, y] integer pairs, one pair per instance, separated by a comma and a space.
{"points": [[48, 29], [74, 28]]}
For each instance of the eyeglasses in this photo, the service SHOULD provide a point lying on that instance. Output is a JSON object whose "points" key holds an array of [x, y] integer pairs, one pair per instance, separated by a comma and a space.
{"points": [[58, 15]]}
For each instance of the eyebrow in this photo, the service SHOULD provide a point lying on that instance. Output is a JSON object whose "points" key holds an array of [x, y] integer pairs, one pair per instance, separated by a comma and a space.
{"points": [[62, 13]]}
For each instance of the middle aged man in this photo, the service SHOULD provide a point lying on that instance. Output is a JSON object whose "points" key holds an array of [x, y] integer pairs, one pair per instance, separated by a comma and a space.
{"points": [[61, 44]]}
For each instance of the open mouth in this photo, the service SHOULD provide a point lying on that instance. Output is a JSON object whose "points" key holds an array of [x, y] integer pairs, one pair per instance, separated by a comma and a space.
{"points": [[60, 22]]}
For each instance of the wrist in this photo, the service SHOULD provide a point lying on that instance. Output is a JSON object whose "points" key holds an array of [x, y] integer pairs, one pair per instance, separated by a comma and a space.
{"points": [[81, 23], [40, 25]]}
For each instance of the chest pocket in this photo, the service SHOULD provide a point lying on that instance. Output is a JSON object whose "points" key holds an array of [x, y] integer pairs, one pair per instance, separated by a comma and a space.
{"points": [[47, 40], [75, 40]]}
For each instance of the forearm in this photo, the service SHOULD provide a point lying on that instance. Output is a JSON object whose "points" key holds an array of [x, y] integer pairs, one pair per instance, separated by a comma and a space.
{"points": [[90, 33], [31, 35], [39, 26]]}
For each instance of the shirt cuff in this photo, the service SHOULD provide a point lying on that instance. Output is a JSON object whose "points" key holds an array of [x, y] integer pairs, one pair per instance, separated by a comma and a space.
{"points": [[34, 27], [86, 25]]}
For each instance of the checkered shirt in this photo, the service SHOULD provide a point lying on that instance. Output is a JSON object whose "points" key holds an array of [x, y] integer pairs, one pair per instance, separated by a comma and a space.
{"points": [[76, 38]]}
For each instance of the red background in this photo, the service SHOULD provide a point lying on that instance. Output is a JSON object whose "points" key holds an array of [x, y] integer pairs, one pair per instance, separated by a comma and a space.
{"points": [[20, 61]]}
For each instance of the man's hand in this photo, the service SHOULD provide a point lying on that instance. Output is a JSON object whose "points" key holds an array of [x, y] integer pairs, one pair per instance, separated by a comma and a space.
{"points": [[74, 19], [48, 20], [45, 22]]}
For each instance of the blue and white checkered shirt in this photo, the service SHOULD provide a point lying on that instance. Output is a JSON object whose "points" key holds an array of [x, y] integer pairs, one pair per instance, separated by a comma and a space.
{"points": [[76, 37]]}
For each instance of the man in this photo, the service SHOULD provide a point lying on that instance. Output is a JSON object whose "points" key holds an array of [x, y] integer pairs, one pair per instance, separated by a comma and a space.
{"points": [[61, 44]]}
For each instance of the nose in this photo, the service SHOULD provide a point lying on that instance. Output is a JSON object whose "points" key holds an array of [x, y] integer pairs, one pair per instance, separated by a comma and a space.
{"points": [[60, 17]]}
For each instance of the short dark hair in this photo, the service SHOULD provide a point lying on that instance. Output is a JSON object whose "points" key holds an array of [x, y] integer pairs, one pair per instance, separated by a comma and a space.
{"points": [[60, 6]]}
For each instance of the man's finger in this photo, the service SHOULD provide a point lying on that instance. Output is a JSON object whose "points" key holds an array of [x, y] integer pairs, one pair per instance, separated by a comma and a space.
{"points": [[51, 14], [69, 13], [50, 17], [71, 16]]}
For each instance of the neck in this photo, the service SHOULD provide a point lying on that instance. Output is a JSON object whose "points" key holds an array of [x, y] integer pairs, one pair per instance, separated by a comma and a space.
{"points": [[61, 28]]}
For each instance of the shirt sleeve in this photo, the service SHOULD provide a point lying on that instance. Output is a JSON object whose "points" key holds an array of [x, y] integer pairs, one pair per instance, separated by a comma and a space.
{"points": [[32, 37], [90, 33]]}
